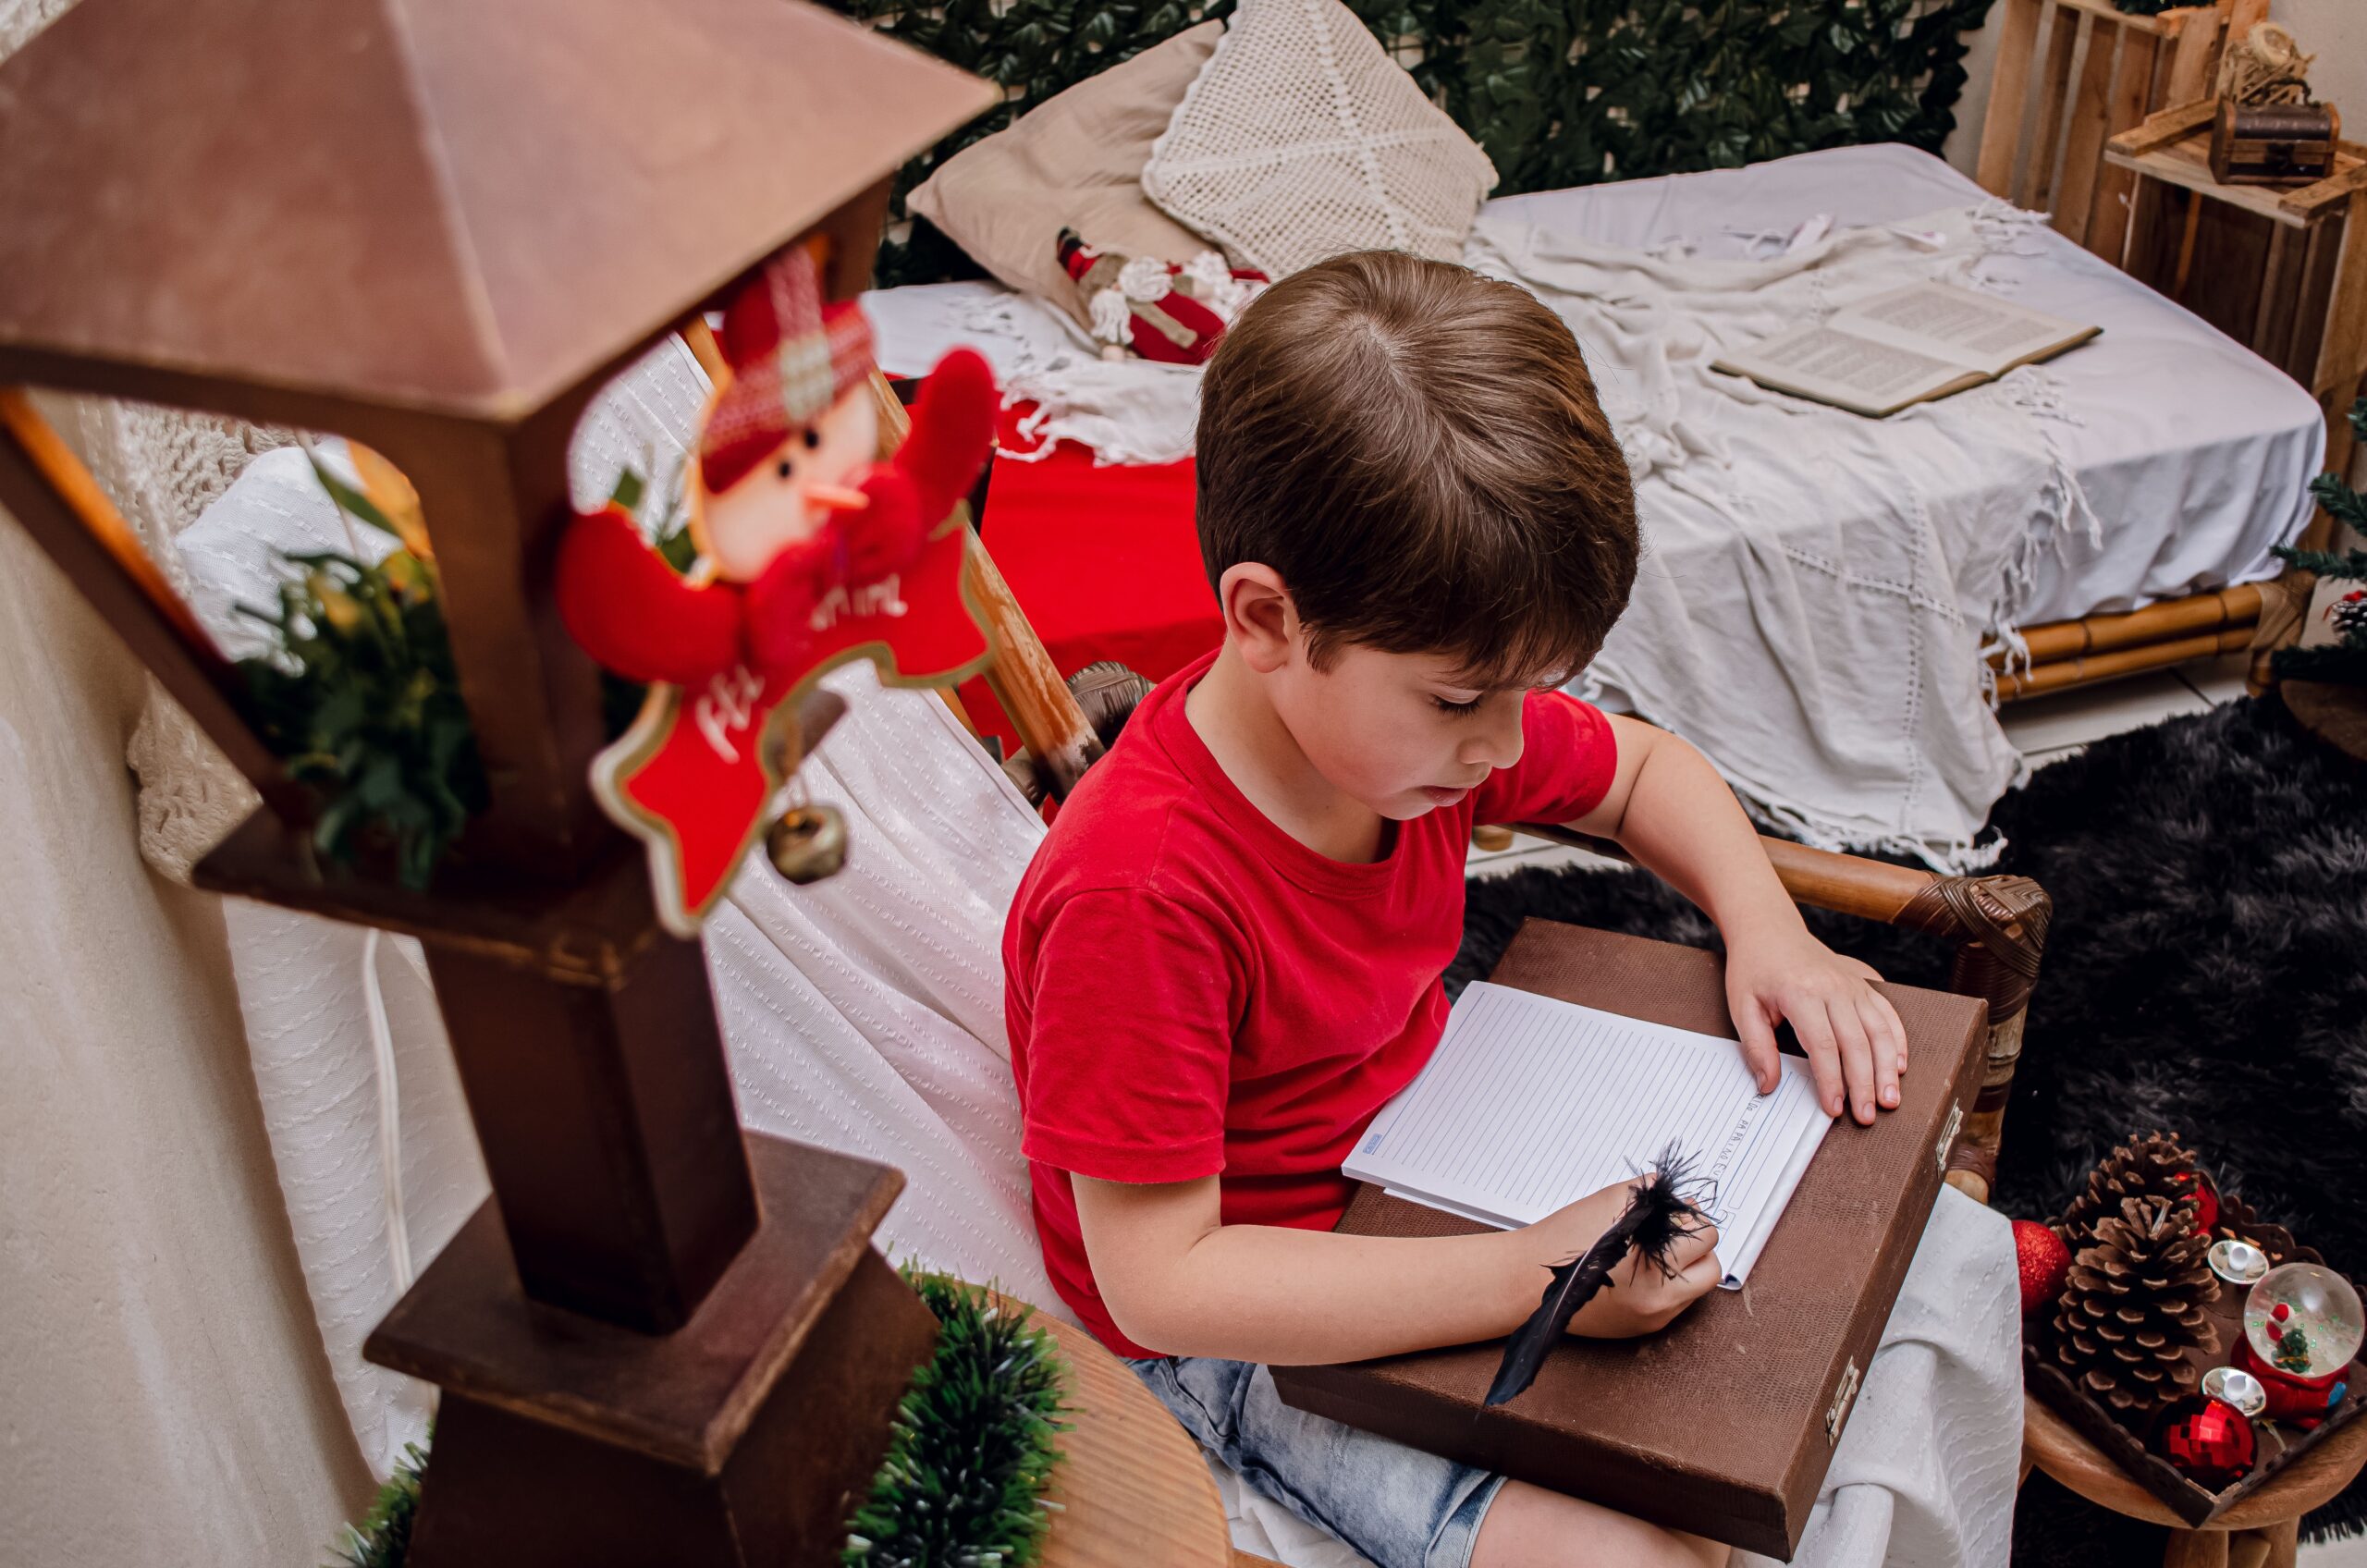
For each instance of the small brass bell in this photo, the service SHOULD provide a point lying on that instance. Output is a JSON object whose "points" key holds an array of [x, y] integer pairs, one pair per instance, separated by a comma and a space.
{"points": [[808, 843]]}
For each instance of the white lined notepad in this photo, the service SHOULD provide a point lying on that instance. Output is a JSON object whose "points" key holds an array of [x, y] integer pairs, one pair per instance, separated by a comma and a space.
{"points": [[1530, 1103]]}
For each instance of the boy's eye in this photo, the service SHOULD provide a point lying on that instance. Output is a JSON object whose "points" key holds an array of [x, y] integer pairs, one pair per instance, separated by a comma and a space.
{"points": [[812, 438], [1446, 705]]}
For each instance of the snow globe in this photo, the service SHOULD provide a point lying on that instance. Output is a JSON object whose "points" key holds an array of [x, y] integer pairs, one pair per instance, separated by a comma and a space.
{"points": [[2303, 1325]]}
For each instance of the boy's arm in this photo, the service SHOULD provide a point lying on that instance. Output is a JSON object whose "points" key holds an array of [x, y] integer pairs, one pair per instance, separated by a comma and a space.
{"points": [[1668, 807], [1177, 1280]]}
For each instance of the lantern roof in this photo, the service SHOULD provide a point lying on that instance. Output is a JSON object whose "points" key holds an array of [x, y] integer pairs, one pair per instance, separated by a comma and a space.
{"points": [[462, 206]]}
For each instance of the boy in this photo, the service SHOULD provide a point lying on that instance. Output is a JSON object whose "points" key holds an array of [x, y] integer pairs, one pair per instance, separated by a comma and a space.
{"points": [[1226, 957]]}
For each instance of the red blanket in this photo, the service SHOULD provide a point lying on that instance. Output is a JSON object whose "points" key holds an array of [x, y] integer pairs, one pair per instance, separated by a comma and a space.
{"points": [[1105, 561]]}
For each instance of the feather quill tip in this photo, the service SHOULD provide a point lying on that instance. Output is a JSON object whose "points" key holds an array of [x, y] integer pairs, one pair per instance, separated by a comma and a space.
{"points": [[1664, 1208]]}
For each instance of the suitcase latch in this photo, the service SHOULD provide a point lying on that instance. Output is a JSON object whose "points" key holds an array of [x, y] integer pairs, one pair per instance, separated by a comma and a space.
{"points": [[1948, 1131], [1839, 1410]]}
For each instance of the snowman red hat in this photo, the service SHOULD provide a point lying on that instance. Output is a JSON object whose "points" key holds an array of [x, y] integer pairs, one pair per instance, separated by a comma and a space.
{"points": [[792, 357]]}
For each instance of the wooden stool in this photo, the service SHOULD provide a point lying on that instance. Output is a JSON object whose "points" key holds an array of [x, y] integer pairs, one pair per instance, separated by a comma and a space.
{"points": [[2259, 1532], [1130, 1488]]}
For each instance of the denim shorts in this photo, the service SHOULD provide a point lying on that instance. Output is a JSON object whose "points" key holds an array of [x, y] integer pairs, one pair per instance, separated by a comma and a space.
{"points": [[1397, 1505]]}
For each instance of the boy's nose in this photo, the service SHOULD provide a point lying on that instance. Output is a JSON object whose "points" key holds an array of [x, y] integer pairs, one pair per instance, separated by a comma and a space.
{"points": [[1498, 743]]}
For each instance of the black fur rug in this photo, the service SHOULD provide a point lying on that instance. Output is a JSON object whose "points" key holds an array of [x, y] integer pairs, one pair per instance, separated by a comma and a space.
{"points": [[2206, 973]]}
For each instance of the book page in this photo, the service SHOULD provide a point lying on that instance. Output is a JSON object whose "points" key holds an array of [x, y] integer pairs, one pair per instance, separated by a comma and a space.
{"points": [[1845, 369], [1943, 322], [1529, 1104]]}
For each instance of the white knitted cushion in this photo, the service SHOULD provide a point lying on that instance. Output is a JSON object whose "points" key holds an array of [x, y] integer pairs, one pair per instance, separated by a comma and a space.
{"points": [[1301, 138]]}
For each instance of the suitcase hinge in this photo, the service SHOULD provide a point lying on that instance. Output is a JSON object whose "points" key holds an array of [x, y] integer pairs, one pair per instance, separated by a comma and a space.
{"points": [[1948, 1131], [1839, 1410]]}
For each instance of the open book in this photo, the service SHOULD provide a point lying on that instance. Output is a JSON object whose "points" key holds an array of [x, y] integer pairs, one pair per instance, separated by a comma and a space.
{"points": [[1909, 345], [1529, 1104]]}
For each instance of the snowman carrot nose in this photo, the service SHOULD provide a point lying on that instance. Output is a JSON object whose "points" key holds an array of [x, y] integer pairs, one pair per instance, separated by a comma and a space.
{"points": [[836, 498]]}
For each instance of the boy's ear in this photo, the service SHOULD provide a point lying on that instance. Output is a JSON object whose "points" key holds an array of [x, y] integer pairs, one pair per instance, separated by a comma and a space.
{"points": [[1258, 617]]}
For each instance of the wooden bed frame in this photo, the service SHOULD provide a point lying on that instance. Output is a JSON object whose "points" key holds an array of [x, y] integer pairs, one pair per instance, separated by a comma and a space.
{"points": [[2053, 113]]}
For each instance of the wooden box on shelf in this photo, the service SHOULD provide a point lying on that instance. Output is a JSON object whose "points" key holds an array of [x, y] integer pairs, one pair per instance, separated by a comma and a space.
{"points": [[2274, 144], [2282, 271]]}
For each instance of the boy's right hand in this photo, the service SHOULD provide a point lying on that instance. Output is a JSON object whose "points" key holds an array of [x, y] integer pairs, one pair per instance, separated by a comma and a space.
{"points": [[1638, 1299]]}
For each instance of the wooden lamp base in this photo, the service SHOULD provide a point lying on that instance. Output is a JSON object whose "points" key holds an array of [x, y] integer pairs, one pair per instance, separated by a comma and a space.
{"points": [[742, 1439]]}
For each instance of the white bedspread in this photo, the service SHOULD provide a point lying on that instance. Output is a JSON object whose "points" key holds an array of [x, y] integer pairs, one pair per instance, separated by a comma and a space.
{"points": [[2192, 450], [1815, 584]]}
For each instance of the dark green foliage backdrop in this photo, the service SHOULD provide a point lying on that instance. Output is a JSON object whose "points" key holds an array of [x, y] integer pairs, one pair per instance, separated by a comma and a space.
{"points": [[1558, 92]]}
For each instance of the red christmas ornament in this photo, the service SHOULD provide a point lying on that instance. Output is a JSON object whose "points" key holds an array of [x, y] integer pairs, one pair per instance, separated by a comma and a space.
{"points": [[2208, 1440], [2043, 1260], [2206, 1199]]}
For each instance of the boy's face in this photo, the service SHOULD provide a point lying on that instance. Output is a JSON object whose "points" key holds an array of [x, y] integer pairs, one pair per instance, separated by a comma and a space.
{"points": [[1403, 733]]}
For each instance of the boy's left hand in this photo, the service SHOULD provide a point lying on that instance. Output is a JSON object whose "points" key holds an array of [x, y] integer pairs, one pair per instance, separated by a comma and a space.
{"points": [[1851, 1031]]}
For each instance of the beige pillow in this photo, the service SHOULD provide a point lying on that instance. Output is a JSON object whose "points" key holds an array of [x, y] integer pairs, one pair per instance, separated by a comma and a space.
{"points": [[1303, 139], [1074, 161]]}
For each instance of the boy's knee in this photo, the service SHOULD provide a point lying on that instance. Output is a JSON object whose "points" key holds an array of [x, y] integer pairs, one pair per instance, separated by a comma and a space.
{"points": [[1529, 1527]]}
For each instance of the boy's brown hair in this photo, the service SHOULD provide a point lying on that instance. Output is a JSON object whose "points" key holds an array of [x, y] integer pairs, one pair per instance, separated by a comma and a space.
{"points": [[1418, 452]]}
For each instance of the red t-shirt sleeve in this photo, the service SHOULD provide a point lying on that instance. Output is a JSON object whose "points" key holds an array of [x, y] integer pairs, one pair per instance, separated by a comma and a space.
{"points": [[1130, 1035], [1568, 755]]}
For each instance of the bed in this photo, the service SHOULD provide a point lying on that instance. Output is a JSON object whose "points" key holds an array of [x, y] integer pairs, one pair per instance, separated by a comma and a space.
{"points": [[2193, 454]]}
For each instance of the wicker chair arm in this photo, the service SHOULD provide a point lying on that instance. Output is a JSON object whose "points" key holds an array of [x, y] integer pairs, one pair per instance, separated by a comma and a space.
{"points": [[1818, 878]]}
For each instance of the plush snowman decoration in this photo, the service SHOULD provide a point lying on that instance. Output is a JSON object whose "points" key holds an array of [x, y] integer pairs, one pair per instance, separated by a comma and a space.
{"points": [[786, 501], [810, 553]]}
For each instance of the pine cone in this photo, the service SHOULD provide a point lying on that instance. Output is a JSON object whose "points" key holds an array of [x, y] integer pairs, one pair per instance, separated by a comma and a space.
{"points": [[2134, 1304], [2146, 1167]]}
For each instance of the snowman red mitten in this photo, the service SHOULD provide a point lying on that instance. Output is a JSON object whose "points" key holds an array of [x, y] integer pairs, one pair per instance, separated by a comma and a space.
{"points": [[636, 615]]}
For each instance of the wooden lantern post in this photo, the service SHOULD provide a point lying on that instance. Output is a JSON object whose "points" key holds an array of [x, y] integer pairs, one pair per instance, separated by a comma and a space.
{"points": [[439, 227]]}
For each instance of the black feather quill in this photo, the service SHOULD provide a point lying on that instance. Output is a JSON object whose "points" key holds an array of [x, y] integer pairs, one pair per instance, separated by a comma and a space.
{"points": [[1659, 1213]]}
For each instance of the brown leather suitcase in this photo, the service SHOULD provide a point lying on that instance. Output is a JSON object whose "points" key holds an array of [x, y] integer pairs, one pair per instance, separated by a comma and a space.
{"points": [[1724, 1422]]}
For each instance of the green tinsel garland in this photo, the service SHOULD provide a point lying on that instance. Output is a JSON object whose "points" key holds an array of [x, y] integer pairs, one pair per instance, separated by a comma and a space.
{"points": [[972, 1448], [383, 1539]]}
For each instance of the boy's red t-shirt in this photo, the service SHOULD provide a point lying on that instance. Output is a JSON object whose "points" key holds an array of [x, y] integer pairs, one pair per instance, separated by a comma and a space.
{"points": [[1193, 992]]}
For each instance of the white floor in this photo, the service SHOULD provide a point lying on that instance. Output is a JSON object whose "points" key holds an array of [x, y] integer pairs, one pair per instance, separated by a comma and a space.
{"points": [[2348, 1553], [2046, 729]]}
